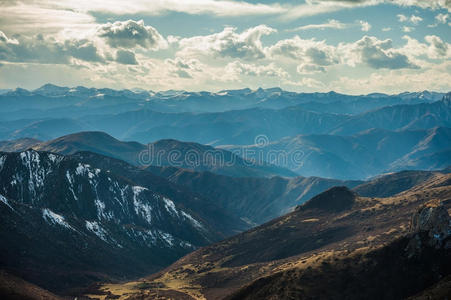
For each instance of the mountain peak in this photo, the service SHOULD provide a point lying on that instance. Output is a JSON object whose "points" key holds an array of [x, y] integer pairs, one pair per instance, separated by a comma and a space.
{"points": [[334, 199]]}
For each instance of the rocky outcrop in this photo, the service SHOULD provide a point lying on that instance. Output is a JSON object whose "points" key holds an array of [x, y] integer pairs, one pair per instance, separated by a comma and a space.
{"points": [[430, 226], [335, 199]]}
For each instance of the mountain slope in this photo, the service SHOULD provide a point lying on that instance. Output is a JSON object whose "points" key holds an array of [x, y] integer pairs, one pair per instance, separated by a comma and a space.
{"points": [[97, 142], [72, 223], [323, 245], [359, 156], [18, 145], [255, 199]]}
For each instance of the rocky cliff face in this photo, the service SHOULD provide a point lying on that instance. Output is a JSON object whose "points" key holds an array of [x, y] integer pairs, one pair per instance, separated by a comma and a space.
{"points": [[430, 225]]}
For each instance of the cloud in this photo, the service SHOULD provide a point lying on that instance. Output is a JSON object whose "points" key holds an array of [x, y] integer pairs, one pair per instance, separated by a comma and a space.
{"points": [[385, 29], [131, 34], [238, 68], [436, 78], [40, 49], [415, 19], [402, 18], [430, 4], [379, 54], [228, 43], [437, 48], [365, 26], [184, 68], [442, 18], [126, 57], [407, 29], [333, 24], [433, 50], [310, 51], [34, 17], [307, 68], [412, 19], [311, 83]]}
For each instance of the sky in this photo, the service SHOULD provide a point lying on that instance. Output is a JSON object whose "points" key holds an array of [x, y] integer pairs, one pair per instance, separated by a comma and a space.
{"points": [[348, 46]]}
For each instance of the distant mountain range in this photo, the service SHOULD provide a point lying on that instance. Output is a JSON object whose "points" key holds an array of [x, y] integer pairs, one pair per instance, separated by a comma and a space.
{"points": [[361, 155], [356, 157], [161, 153], [64, 100], [233, 117]]}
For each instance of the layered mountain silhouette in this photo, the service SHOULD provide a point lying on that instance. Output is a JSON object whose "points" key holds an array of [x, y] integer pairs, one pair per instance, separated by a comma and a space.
{"points": [[237, 194], [362, 155], [161, 153]]}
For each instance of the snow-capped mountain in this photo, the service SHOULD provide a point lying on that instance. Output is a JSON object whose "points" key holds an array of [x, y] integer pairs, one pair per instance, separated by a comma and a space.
{"points": [[66, 207]]}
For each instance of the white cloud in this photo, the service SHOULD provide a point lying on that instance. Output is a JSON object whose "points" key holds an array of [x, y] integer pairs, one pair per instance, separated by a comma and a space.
{"points": [[238, 68], [306, 68], [369, 51], [436, 78], [159, 7], [402, 18], [228, 43], [311, 83], [184, 68], [365, 26], [334, 24], [131, 34], [442, 18], [412, 19], [430, 4], [415, 19], [375, 53], [45, 50], [407, 29], [385, 29], [309, 51]]}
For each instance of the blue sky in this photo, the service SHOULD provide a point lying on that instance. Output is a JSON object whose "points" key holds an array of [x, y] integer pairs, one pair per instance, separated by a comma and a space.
{"points": [[349, 46]]}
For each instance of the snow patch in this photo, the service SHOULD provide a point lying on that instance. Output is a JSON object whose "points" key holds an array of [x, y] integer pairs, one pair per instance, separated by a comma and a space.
{"points": [[101, 233], [5, 201], [55, 219], [141, 208], [170, 206], [95, 228], [2, 161], [192, 220]]}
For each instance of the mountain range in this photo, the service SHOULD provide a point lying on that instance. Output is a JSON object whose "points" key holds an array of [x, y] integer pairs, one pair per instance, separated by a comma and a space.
{"points": [[411, 132], [236, 194]]}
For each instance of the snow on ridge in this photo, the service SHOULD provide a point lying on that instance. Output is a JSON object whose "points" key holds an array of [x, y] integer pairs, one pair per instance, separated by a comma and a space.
{"points": [[54, 158], [192, 220], [36, 171], [100, 232], [152, 236], [5, 201], [95, 228], [85, 169], [138, 189], [143, 209], [170, 206], [55, 219], [2, 161]]}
